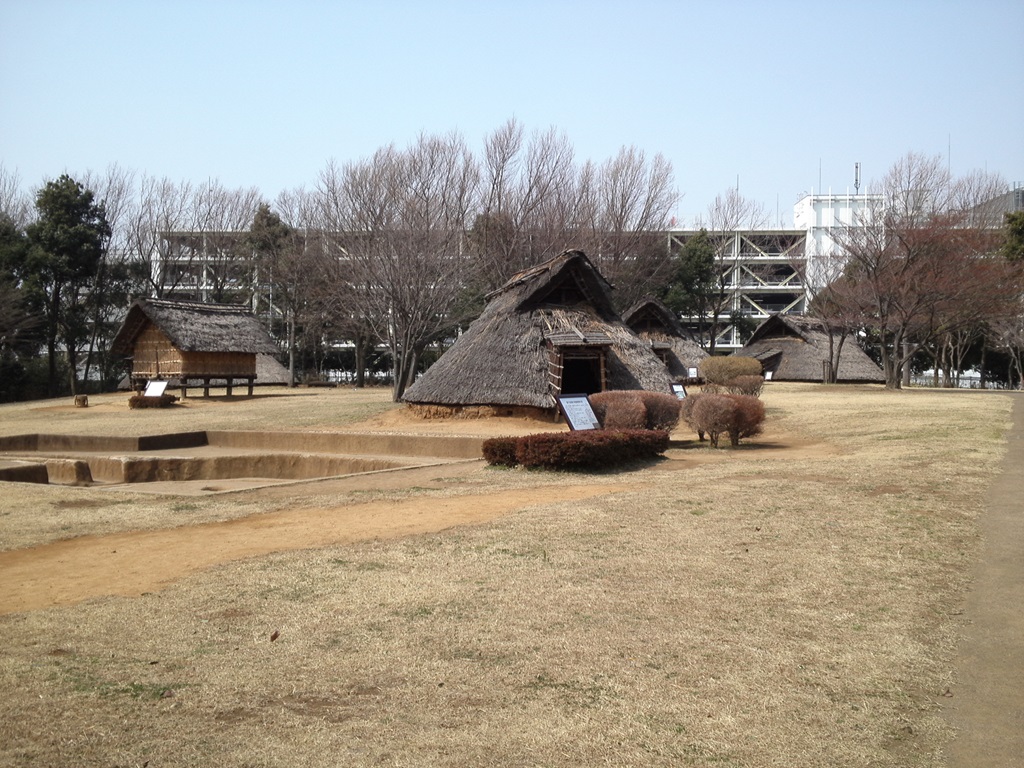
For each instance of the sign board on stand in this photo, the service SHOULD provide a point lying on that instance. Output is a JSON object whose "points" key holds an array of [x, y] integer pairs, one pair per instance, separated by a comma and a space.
{"points": [[155, 389], [578, 412]]}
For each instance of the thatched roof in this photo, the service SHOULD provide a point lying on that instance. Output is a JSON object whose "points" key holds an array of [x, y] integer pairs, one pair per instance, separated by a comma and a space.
{"points": [[793, 347], [194, 327], [653, 321], [503, 357]]}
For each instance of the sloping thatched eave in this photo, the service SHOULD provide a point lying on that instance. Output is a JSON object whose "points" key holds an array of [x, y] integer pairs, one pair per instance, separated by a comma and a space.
{"points": [[194, 327]]}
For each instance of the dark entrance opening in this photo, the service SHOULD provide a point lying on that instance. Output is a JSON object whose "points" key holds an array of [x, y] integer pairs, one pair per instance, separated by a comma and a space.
{"points": [[581, 374]]}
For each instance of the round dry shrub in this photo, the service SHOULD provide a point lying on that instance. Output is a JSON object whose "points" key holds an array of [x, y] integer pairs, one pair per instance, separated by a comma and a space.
{"points": [[619, 409], [748, 417], [720, 370], [686, 413], [745, 385], [713, 415], [662, 410]]}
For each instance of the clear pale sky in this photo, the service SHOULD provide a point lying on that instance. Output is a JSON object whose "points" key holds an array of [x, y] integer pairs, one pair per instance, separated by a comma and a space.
{"points": [[776, 95]]}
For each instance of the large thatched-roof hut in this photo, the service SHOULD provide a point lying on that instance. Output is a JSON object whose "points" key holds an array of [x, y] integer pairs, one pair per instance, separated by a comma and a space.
{"points": [[549, 330], [183, 341], [657, 324], [795, 348]]}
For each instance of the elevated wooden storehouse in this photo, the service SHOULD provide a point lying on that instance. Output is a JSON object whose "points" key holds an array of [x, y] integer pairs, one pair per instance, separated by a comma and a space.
{"points": [[549, 330], [796, 348], [657, 324], [184, 342]]}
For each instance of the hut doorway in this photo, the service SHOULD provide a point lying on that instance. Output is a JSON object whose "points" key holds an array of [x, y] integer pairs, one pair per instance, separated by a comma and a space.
{"points": [[583, 371]]}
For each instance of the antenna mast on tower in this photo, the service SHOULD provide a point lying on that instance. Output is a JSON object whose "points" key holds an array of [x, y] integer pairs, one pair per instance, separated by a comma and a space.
{"points": [[856, 178]]}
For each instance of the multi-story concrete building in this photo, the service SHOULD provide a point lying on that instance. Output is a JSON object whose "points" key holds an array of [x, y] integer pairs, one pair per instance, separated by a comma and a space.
{"points": [[206, 266], [761, 274]]}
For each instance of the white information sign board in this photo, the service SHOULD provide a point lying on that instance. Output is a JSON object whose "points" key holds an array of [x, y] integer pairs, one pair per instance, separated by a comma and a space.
{"points": [[155, 389], [578, 412], [679, 391]]}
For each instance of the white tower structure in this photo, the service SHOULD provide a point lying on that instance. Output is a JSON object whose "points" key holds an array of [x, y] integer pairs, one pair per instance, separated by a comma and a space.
{"points": [[824, 217]]}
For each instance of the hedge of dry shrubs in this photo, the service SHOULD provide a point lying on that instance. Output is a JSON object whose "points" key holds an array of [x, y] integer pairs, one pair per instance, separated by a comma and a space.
{"points": [[589, 449], [636, 409]]}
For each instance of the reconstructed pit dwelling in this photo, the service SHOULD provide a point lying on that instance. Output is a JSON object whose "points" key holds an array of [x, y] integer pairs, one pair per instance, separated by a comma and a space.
{"points": [[238, 459]]}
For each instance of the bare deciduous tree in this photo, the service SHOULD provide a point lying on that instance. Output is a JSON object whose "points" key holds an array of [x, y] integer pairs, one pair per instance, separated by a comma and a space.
{"points": [[288, 260], [15, 205], [537, 202], [400, 219], [915, 260], [635, 199], [529, 207]]}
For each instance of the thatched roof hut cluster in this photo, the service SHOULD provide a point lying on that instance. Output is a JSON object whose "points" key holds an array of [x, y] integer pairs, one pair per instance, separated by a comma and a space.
{"points": [[550, 330], [657, 324], [795, 348]]}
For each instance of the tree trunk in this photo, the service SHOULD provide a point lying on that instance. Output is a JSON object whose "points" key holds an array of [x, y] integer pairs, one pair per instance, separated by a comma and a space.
{"points": [[406, 362], [889, 367], [51, 343], [72, 366], [291, 348], [830, 377], [362, 346], [947, 363]]}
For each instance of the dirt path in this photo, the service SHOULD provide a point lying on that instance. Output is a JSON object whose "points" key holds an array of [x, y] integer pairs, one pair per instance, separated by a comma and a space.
{"points": [[74, 570], [987, 706]]}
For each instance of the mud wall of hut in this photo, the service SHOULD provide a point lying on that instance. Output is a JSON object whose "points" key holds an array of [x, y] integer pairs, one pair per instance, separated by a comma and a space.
{"points": [[156, 357], [219, 364]]}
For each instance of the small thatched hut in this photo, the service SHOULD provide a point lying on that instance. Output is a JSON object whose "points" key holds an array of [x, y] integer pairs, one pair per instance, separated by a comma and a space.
{"points": [[795, 348], [653, 321], [185, 341], [549, 330]]}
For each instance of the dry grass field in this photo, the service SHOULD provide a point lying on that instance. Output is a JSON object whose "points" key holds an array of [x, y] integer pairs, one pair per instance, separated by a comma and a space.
{"points": [[794, 602]]}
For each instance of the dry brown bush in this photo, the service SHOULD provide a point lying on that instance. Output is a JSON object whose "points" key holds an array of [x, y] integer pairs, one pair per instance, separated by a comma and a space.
{"points": [[720, 370], [745, 385], [747, 418], [686, 406], [713, 415], [635, 409], [619, 409], [662, 410]]}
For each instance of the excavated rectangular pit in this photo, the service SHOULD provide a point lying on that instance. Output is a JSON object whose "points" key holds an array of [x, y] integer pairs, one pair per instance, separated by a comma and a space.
{"points": [[261, 457]]}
